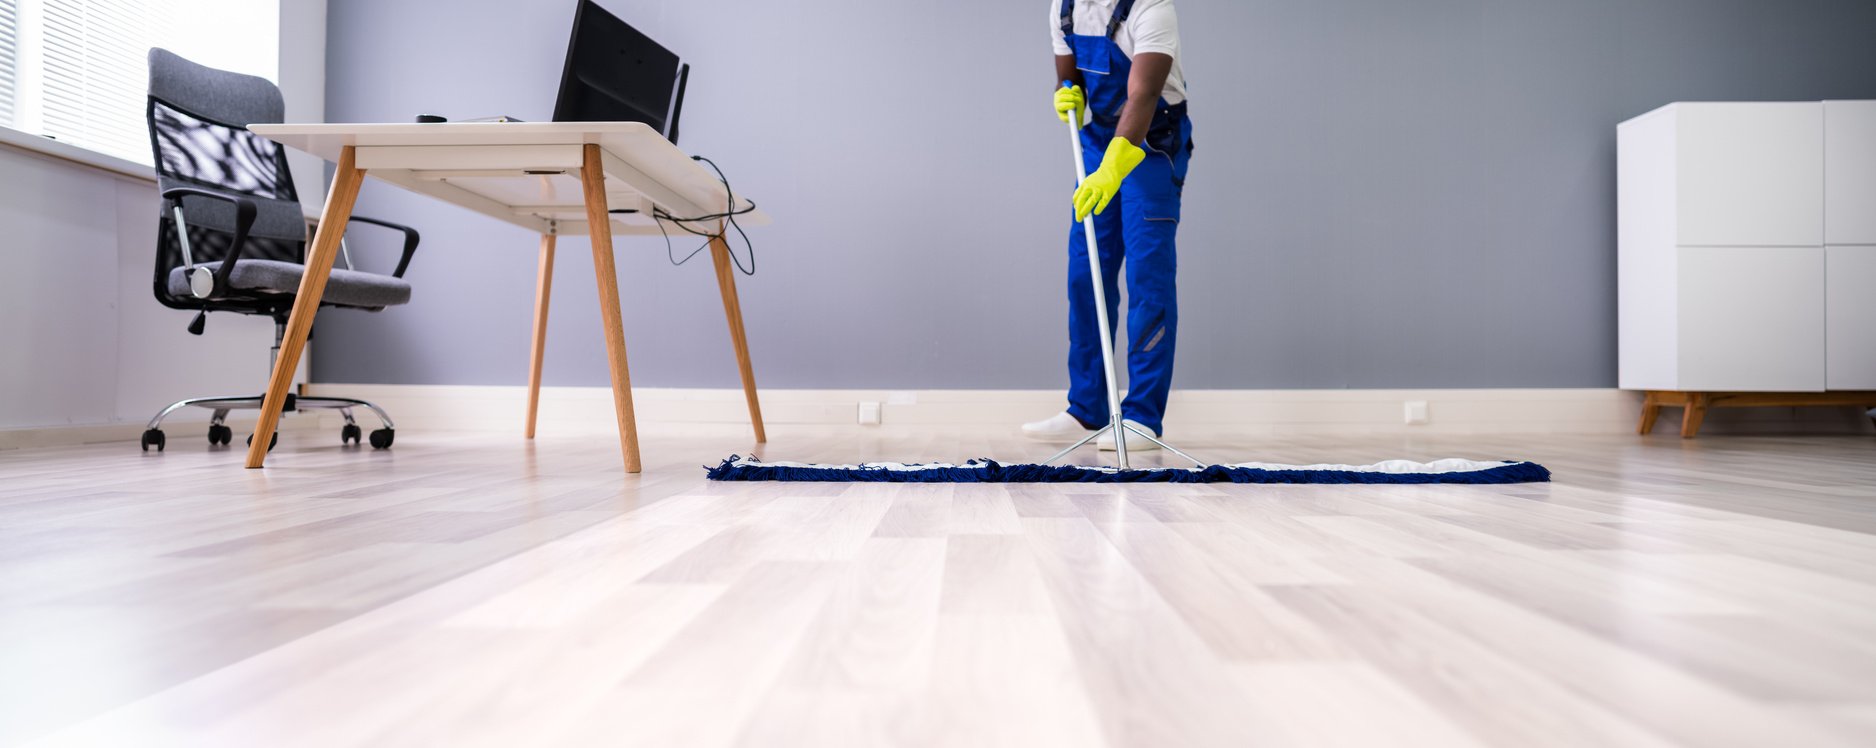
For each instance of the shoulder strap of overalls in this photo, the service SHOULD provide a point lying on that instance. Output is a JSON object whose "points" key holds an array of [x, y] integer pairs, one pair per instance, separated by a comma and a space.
{"points": [[1122, 10]]}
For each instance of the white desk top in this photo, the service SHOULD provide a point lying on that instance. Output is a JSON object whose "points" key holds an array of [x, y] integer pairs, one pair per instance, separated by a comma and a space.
{"points": [[526, 173]]}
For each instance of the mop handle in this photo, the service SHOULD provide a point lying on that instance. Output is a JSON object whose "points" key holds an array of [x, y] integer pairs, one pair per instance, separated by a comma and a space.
{"points": [[1100, 299], [1074, 128]]}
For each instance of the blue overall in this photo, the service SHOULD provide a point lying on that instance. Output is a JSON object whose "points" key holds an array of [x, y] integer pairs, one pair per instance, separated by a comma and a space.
{"points": [[1139, 227]]}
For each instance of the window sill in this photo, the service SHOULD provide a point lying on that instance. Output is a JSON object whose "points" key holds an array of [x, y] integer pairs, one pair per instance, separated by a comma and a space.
{"points": [[82, 156]]}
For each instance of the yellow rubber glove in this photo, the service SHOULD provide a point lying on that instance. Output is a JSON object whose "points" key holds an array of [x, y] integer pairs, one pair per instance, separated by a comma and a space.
{"points": [[1070, 100], [1100, 187]]}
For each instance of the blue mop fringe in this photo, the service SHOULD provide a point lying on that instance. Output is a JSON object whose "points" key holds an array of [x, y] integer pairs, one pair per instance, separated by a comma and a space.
{"points": [[991, 471]]}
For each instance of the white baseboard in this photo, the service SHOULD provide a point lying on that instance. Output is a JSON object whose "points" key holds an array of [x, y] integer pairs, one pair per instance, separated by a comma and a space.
{"points": [[189, 423], [1522, 411], [1249, 412]]}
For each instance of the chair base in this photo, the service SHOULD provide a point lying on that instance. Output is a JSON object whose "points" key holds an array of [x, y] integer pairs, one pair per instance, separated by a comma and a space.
{"points": [[220, 434]]}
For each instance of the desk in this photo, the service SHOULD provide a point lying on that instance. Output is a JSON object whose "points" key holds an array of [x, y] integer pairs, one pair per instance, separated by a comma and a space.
{"points": [[553, 178]]}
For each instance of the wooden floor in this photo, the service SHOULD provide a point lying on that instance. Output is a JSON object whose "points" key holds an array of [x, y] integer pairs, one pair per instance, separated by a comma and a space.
{"points": [[473, 589]]}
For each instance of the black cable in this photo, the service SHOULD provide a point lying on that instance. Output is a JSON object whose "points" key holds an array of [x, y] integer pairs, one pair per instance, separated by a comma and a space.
{"points": [[730, 211], [660, 216], [675, 262], [730, 197], [750, 246]]}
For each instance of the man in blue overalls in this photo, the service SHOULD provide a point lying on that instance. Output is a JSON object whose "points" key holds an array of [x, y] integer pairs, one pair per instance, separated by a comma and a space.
{"points": [[1123, 58]]}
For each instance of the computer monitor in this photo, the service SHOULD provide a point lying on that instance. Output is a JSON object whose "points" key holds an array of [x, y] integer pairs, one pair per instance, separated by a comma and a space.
{"points": [[615, 73]]}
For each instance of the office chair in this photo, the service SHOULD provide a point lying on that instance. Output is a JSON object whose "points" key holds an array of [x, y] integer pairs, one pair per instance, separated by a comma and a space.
{"points": [[230, 235]]}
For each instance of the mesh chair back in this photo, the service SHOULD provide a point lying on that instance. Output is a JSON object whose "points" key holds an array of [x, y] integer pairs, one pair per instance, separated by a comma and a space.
{"points": [[193, 150], [198, 119]]}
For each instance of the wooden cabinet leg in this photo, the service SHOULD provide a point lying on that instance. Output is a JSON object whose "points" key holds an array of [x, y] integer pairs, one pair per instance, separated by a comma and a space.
{"points": [[733, 309], [599, 227], [318, 268], [544, 286], [1696, 411], [1650, 412]]}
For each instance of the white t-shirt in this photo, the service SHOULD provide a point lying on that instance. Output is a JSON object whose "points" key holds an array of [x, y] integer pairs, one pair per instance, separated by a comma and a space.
{"points": [[1153, 27]]}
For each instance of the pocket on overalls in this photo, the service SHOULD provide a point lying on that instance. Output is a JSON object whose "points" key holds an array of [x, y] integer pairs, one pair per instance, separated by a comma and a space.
{"points": [[1160, 180], [1171, 136], [1164, 138], [1106, 81], [1156, 187], [1090, 54]]}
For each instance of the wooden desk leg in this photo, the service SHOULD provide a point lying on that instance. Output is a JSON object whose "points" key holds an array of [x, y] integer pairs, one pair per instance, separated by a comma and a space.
{"points": [[599, 227], [318, 268], [733, 309], [544, 285]]}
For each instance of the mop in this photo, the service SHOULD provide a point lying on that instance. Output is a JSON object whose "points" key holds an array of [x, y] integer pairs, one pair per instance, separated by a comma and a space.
{"points": [[738, 468]]}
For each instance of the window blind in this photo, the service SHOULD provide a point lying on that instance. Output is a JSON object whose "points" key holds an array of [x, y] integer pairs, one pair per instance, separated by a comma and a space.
{"points": [[93, 71], [9, 57], [77, 70]]}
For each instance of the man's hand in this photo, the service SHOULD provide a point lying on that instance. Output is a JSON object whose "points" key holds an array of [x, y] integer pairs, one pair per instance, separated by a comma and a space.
{"points": [[1100, 187], [1070, 100]]}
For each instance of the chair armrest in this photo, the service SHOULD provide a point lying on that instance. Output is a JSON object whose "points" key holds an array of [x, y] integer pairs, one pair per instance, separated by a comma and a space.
{"points": [[410, 238], [245, 210], [410, 241]]}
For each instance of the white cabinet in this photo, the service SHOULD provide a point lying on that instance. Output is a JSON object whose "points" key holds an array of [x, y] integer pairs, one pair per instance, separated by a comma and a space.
{"points": [[1750, 175], [1721, 248], [1752, 319], [1850, 236], [1850, 173], [1747, 254], [1850, 317]]}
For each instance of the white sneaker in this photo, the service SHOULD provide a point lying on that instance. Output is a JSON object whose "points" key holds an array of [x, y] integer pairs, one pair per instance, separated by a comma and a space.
{"points": [[1135, 442], [1059, 425]]}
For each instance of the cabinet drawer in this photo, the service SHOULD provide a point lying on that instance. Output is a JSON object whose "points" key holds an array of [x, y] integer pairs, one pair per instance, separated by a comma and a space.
{"points": [[1850, 173], [1850, 317], [1752, 319], [1751, 175]]}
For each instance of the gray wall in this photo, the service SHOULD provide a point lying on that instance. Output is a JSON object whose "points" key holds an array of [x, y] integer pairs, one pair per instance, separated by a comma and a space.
{"points": [[1385, 193]]}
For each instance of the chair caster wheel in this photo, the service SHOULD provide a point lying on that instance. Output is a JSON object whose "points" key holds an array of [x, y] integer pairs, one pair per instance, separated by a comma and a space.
{"points": [[271, 441], [351, 434], [381, 439], [219, 435], [153, 438]]}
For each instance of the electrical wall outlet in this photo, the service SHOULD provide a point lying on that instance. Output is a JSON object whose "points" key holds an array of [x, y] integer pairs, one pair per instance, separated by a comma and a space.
{"points": [[1417, 413], [869, 413]]}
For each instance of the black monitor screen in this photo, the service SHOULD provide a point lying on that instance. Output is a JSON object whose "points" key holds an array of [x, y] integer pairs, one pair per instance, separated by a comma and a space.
{"points": [[615, 73]]}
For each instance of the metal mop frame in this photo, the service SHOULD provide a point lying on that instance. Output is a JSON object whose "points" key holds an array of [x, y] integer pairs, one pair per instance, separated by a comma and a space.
{"points": [[1115, 425]]}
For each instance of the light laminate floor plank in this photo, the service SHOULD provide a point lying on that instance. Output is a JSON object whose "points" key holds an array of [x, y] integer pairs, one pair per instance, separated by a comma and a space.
{"points": [[471, 589]]}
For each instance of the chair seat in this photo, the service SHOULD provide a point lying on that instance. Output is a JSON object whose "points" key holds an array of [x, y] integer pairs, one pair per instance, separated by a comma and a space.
{"points": [[344, 288]]}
